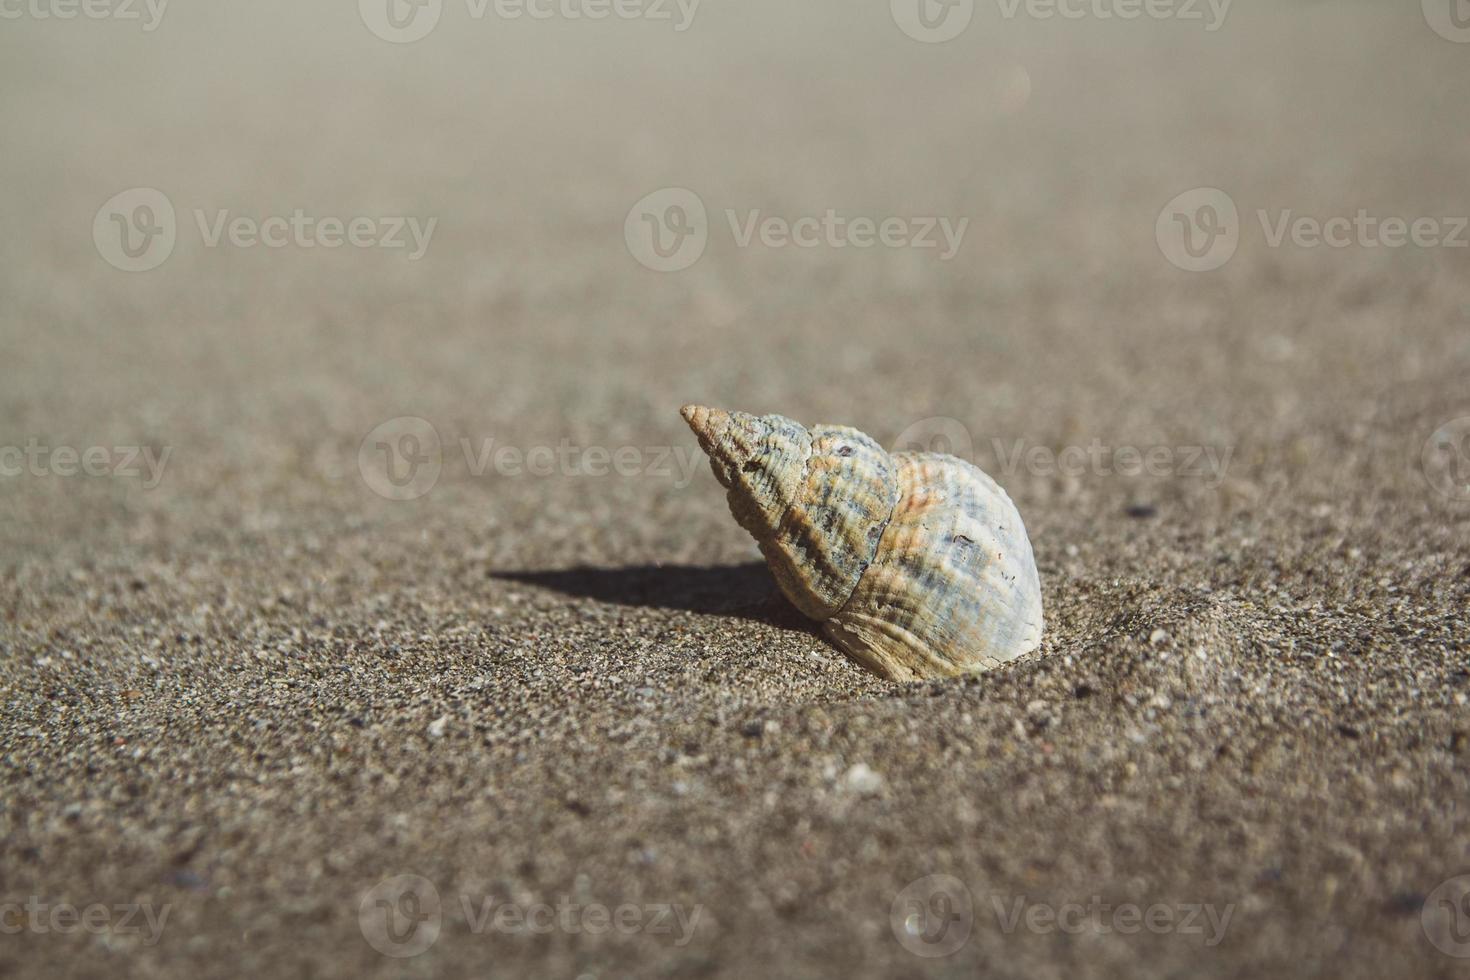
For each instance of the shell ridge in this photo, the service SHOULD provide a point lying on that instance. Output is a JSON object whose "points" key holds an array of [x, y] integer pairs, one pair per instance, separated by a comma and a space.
{"points": [[799, 525], [792, 527], [880, 661], [877, 542]]}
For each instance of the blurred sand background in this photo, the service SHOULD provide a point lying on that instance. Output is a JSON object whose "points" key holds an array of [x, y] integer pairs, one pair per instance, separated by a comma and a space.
{"points": [[256, 690]]}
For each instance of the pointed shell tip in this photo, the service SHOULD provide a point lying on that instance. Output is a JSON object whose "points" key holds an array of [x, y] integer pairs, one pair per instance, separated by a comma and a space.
{"points": [[703, 420]]}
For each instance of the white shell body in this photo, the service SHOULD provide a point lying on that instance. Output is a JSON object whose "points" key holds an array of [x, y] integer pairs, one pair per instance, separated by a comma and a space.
{"points": [[916, 564]]}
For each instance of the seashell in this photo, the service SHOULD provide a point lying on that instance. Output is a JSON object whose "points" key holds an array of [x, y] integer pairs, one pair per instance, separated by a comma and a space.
{"points": [[916, 564]]}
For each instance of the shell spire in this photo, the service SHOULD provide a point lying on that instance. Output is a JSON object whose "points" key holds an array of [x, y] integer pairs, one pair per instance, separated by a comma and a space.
{"points": [[916, 564], [816, 501]]}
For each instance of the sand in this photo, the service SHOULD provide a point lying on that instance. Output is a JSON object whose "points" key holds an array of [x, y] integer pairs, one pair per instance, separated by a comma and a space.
{"points": [[244, 691]]}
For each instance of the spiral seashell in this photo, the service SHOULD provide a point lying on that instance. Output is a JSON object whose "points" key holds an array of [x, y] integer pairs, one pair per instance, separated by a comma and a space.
{"points": [[916, 564]]}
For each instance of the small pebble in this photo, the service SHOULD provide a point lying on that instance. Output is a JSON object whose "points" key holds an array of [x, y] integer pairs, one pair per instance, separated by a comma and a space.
{"points": [[863, 780]]}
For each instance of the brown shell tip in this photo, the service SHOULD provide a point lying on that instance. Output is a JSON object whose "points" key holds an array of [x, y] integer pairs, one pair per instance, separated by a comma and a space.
{"points": [[709, 424], [729, 439], [694, 415]]}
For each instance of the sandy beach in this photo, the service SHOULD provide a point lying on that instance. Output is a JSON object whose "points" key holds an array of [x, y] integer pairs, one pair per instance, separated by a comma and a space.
{"points": [[367, 609]]}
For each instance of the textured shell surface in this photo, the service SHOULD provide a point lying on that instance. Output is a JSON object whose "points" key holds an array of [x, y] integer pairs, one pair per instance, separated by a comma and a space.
{"points": [[916, 564]]}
